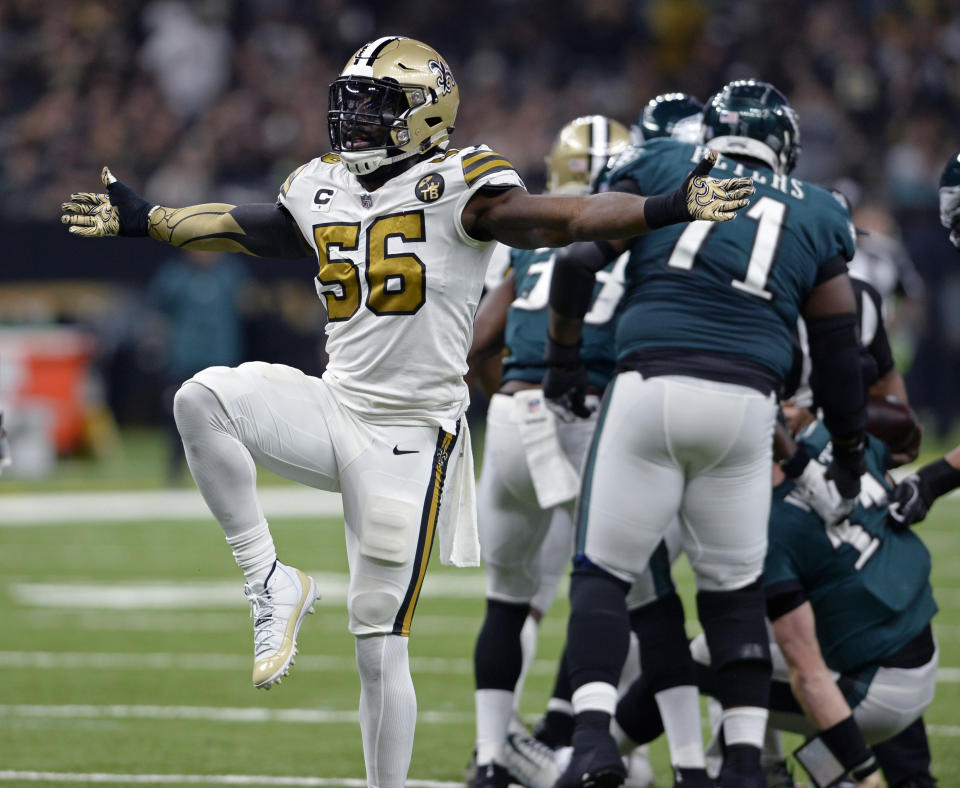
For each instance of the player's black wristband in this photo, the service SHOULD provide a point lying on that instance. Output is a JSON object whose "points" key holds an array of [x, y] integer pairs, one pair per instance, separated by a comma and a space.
{"points": [[795, 464], [564, 356], [663, 209], [571, 289], [939, 478], [132, 209], [846, 742]]}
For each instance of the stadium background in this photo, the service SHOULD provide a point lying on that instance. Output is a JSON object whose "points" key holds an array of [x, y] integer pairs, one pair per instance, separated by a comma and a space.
{"points": [[218, 100]]}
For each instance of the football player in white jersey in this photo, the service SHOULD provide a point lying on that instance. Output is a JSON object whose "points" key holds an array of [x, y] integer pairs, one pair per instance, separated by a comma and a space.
{"points": [[402, 227]]}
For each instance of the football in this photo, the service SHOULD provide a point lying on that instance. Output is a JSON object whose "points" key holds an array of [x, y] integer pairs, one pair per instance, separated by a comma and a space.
{"points": [[893, 422]]}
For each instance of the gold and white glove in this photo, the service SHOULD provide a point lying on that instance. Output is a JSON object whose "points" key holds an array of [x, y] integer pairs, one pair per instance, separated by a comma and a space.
{"points": [[91, 215], [714, 199], [699, 198], [119, 212]]}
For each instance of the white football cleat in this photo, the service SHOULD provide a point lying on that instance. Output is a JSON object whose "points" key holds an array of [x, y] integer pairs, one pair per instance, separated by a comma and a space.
{"points": [[278, 606], [530, 761], [639, 770]]}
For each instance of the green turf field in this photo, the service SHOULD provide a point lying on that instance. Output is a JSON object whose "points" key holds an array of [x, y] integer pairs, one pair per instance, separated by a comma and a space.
{"points": [[125, 650]]}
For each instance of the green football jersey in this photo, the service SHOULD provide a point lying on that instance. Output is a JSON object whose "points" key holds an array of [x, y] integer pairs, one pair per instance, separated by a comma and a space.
{"points": [[526, 331], [868, 584], [732, 288]]}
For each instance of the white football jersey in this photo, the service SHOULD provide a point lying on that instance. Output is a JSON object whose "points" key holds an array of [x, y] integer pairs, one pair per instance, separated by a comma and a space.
{"points": [[400, 279]]}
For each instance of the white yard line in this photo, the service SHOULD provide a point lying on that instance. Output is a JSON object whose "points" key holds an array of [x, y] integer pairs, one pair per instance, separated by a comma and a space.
{"points": [[944, 730], [118, 507], [81, 660], [179, 595], [229, 621], [424, 625], [325, 663], [212, 714], [204, 779]]}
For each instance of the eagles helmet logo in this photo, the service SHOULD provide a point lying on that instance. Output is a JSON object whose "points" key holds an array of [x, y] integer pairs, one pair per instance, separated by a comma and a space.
{"points": [[429, 188]]}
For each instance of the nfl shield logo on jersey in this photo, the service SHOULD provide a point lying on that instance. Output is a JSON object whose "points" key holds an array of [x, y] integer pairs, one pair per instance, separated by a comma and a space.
{"points": [[366, 200]]}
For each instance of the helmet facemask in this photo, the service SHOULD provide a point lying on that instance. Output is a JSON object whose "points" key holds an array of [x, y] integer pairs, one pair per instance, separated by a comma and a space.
{"points": [[395, 99], [368, 116]]}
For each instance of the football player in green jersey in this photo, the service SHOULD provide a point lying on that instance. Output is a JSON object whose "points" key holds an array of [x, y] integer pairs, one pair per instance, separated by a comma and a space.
{"points": [[703, 343], [850, 606], [532, 456]]}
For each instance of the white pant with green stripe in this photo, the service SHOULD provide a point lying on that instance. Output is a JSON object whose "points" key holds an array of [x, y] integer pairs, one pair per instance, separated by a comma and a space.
{"points": [[679, 448]]}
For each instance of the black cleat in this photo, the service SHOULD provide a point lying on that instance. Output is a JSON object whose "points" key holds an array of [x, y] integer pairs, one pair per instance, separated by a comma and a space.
{"points": [[555, 729], [730, 778], [491, 775], [692, 778], [596, 762]]}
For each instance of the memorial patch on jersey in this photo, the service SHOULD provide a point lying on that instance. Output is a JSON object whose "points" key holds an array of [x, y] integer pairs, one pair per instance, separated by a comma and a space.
{"points": [[484, 162], [429, 188]]}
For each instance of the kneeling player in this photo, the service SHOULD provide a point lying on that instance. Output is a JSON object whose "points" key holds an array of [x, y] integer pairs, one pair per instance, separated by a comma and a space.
{"points": [[850, 606]]}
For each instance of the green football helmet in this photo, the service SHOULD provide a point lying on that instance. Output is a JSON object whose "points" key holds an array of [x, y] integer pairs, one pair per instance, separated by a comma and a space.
{"points": [[951, 173], [668, 115], [753, 119]]}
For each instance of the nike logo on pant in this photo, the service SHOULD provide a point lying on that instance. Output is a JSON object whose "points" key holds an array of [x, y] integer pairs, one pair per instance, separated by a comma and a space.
{"points": [[404, 451]]}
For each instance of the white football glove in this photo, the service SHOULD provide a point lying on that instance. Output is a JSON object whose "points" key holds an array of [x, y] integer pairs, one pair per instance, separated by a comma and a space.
{"points": [[821, 494]]}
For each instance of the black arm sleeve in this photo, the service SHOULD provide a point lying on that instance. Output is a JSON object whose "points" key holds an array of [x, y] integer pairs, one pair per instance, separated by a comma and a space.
{"points": [[831, 268], [571, 289], [270, 231], [836, 377]]}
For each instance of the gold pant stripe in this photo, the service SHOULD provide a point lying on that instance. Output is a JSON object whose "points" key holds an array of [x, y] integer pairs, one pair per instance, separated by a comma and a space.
{"points": [[428, 526]]}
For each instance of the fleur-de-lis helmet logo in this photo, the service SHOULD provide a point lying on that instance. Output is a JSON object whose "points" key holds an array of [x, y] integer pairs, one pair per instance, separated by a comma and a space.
{"points": [[445, 81]]}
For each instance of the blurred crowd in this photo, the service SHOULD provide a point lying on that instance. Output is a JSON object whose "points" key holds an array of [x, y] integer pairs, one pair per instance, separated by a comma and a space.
{"points": [[220, 99]]}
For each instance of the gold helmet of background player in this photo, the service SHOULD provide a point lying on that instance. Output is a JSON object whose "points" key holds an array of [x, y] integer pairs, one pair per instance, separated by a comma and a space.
{"points": [[395, 98], [580, 150]]}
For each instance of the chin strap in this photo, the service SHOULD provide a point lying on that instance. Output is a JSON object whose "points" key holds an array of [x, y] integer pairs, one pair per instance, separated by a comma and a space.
{"points": [[366, 162]]}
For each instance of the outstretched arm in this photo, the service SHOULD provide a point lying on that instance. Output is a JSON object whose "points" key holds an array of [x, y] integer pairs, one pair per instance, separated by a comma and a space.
{"points": [[262, 229], [911, 499], [526, 221]]}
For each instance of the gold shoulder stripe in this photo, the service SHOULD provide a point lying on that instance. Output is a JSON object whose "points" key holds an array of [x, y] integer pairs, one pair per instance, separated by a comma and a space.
{"points": [[488, 168], [286, 184], [330, 158], [476, 156]]}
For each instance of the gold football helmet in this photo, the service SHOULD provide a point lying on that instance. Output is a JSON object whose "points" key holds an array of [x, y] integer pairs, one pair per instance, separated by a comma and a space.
{"points": [[396, 98], [580, 150]]}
